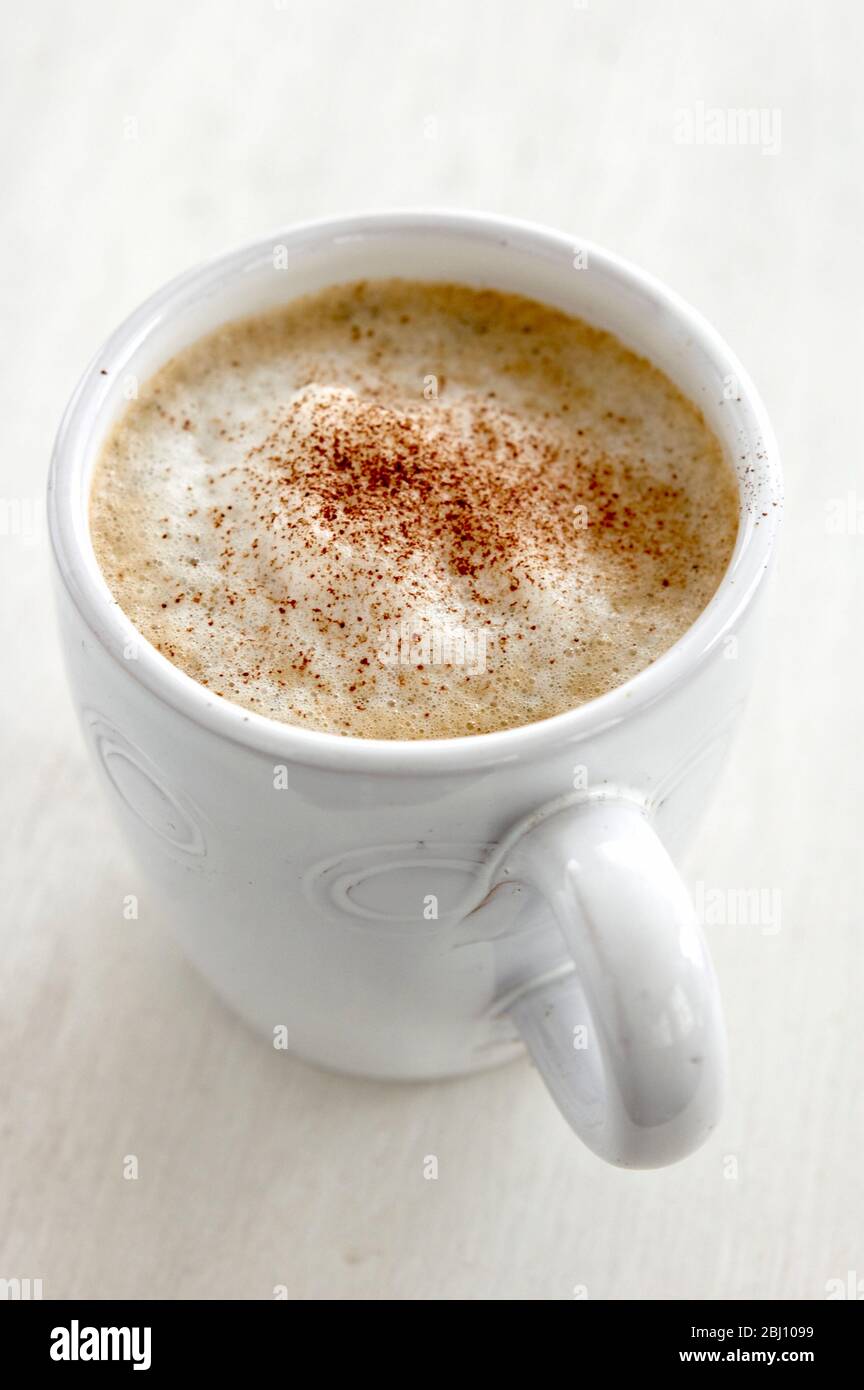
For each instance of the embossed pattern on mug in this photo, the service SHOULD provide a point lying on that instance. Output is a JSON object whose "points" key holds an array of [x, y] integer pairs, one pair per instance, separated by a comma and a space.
{"points": [[405, 510]]}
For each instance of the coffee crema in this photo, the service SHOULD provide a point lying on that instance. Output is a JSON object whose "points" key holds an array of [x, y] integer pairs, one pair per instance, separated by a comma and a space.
{"points": [[396, 509]]}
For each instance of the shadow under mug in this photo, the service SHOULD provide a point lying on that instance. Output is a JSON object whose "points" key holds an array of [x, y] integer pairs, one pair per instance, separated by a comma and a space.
{"points": [[423, 909]]}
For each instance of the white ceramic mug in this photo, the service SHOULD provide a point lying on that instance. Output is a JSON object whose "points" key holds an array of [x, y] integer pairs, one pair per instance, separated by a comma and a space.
{"points": [[421, 909]]}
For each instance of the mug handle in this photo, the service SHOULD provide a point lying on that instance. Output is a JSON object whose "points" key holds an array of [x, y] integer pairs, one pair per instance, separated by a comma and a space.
{"points": [[630, 1042]]}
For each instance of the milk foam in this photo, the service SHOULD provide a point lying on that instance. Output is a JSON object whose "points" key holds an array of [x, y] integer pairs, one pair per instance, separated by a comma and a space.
{"points": [[401, 510]]}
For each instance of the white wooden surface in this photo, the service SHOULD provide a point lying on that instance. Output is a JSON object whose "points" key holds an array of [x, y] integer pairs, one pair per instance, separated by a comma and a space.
{"points": [[138, 139]]}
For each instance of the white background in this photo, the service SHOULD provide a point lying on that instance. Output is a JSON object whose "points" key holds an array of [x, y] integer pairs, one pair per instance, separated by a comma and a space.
{"points": [[257, 1171]]}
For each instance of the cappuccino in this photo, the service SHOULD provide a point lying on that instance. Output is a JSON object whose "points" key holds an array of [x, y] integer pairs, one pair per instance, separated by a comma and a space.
{"points": [[396, 509]]}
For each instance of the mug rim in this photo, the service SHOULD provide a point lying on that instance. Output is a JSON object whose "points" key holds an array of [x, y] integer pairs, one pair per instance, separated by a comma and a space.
{"points": [[79, 570]]}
